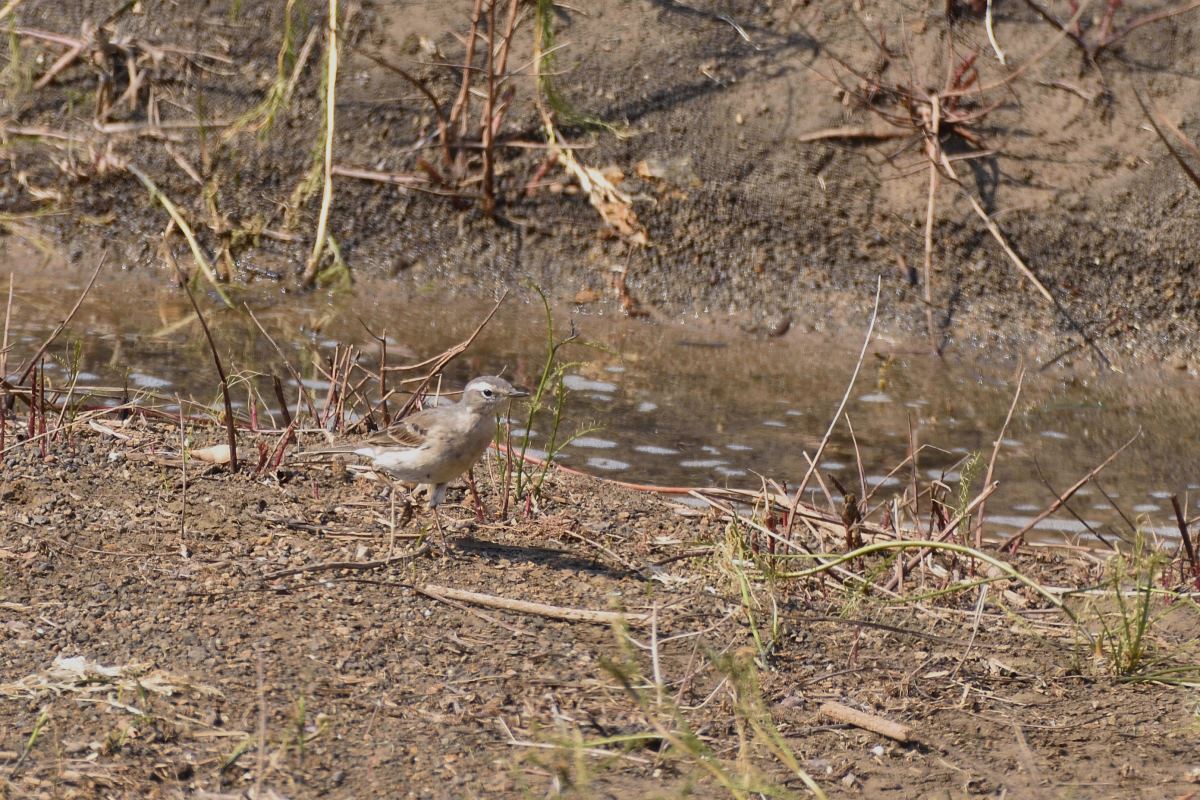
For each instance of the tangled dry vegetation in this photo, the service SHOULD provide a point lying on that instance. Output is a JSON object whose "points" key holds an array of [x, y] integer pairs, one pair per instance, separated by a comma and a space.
{"points": [[148, 107], [948, 120]]}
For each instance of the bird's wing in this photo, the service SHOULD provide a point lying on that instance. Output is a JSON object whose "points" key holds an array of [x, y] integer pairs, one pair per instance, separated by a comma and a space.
{"points": [[412, 431]]}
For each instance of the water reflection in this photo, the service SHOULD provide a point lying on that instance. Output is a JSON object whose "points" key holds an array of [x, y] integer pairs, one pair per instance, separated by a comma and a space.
{"points": [[683, 404]]}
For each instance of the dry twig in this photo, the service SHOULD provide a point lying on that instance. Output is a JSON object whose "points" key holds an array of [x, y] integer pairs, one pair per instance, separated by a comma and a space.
{"points": [[538, 609], [869, 722], [1016, 538]]}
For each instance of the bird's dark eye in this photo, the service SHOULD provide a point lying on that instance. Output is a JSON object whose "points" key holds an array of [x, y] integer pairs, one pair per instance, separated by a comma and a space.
{"points": [[488, 393]]}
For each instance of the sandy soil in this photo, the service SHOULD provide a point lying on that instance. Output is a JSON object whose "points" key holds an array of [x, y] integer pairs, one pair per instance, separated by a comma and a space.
{"points": [[742, 212], [243, 662]]}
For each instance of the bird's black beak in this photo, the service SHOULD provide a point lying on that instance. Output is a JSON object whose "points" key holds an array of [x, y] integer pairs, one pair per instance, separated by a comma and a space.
{"points": [[518, 393]]}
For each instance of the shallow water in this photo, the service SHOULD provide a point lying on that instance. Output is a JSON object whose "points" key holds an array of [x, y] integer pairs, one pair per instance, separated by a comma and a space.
{"points": [[682, 403]]}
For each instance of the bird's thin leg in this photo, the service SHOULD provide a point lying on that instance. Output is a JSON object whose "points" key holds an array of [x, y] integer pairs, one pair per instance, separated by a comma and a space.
{"points": [[480, 511], [437, 521], [437, 493]]}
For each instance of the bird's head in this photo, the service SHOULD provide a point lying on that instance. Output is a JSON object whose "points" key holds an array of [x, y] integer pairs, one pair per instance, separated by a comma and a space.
{"points": [[489, 391]]}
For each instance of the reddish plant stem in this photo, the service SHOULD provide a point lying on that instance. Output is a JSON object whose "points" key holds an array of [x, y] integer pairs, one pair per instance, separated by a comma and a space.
{"points": [[462, 105], [283, 406], [1187, 539], [489, 109]]}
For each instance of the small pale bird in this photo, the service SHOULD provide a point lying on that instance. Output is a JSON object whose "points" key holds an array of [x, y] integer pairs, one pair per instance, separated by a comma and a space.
{"points": [[434, 446]]}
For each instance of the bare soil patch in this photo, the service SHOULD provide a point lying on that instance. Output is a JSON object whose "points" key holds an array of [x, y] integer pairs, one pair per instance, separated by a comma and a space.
{"points": [[236, 680]]}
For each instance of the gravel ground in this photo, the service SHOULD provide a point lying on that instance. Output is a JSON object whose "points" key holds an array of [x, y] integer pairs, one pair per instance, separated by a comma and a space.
{"points": [[190, 634]]}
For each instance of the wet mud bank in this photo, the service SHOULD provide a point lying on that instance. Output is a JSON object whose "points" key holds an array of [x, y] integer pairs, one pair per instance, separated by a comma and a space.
{"points": [[765, 164]]}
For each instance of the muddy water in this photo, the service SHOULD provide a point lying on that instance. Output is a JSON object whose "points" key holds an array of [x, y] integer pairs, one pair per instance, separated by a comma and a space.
{"points": [[680, 403]]}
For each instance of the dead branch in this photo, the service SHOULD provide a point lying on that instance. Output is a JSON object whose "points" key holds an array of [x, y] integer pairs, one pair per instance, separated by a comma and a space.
{"points": [[537, 609], [868, 722], [987, 480]]}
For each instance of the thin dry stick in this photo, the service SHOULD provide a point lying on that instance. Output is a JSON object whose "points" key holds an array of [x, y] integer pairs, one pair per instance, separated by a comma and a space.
{"points": [[1154, 120], [176, 216], [914, 454], [183, 459], [383, 390], [1173, 128], [852, 133], [331, 64], [994, 230], [26, 368], [510, 25], [438, 112], [1183, 533], [4, 341], [841, 408], [5, 397], [261, 768], [862, 476], [440, 362], [654, 659], [1016, 538], [312, 409], [1086, 525], [933, 148], [1147, 19], [462, 105], [230, 430], [526, 607], [489, 109], [1133, 528], [975, 620], [868, 722], [824, 489], [10, 7], [298, 66], [1026, 756], [66, 405], [394, 178], [987, 480]]}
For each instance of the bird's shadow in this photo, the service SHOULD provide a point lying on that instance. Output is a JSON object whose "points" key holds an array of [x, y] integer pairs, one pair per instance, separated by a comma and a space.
{"points": [[543, 556]]}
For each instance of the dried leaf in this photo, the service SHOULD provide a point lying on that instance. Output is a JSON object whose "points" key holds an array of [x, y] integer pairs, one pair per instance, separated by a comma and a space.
{"points": [[654, 171], [613, 174]]}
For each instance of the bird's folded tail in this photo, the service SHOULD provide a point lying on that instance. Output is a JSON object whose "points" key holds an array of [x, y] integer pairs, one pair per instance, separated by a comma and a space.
{"points": [[332, 450]]}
